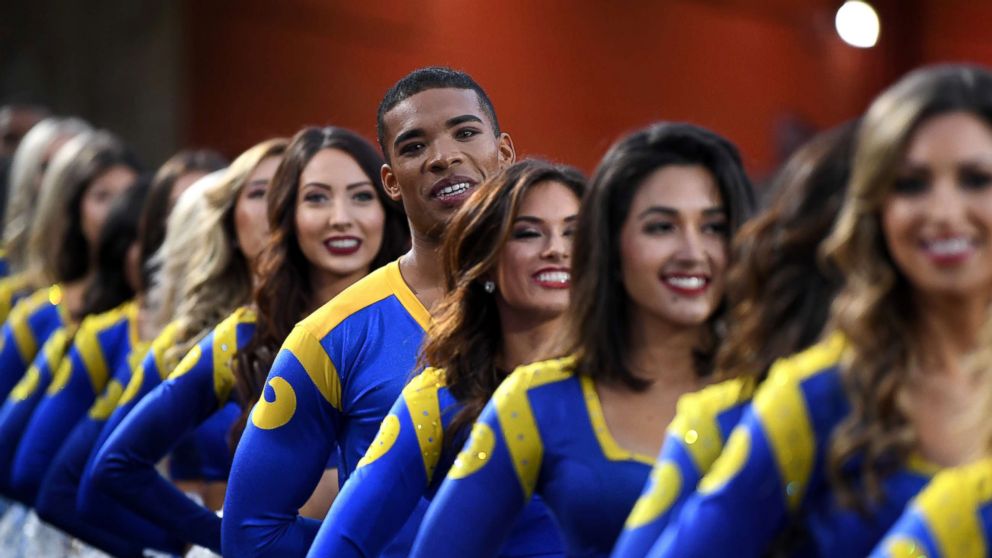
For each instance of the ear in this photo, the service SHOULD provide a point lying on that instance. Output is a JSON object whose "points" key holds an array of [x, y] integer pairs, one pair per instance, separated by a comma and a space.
{"points": [[389, 183], [507, 154]]}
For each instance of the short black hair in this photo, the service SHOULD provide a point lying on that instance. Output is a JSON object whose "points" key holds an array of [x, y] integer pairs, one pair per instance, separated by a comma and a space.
{"points": [[432, 77]]}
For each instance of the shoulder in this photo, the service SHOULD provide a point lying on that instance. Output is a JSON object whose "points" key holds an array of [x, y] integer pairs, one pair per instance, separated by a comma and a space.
{"points": [[425, 385], [35, 301], [228, 327], [714, 399], [824, 357], [966, 486], [531, 376], [367, 291], [109, 319]]}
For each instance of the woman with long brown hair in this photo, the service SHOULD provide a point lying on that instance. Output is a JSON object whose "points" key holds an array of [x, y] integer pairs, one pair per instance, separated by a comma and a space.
{"points": [[841, 436], [642, 328], [779, 296], [506, 258], [327, 182]]}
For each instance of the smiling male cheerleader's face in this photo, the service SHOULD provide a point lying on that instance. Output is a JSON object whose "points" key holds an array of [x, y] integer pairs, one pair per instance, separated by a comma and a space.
{"points": [[674, 246], [534, 273], [440, 145], [937, 219]]}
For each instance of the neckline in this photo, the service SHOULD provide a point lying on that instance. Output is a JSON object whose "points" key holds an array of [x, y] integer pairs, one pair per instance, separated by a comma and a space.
{"points": [[611, 448], [406, 295]]}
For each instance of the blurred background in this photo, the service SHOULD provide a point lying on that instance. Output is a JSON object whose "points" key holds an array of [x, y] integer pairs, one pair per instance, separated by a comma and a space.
{"points": [[566, 76]]}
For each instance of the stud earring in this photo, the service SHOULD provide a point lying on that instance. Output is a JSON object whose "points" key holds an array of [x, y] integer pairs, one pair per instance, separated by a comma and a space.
{"points": [[489, 287]]}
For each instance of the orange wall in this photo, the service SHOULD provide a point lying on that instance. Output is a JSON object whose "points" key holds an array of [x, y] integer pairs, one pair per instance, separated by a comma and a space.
{"points": [[567, 77]]}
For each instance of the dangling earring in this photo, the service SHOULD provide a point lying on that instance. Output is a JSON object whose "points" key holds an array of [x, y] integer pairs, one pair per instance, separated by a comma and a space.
{"points": [[489, 287]]}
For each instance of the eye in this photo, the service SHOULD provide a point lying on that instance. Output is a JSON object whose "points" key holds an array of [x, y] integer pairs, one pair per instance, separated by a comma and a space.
{"points": [[314, 196], [412, 148], [658, 227], [363, 196], [256, 193], [570, 231], [526, 233], [974, 179], [910, 185], [465, 133], [717, 228]]}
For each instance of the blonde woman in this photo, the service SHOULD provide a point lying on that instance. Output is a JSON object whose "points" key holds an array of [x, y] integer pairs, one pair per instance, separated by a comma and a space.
{"points": [[840, 437], [205, 275], [29, 165]]}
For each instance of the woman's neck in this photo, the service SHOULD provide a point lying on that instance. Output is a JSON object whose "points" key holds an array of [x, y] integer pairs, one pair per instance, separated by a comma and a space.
{"points": [[947, 328], [74, 293], [663, 352], [327, 286], [525, 340]]}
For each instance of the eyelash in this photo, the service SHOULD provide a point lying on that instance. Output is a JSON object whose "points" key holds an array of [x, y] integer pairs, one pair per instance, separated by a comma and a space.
{"points": [[463, 134]]}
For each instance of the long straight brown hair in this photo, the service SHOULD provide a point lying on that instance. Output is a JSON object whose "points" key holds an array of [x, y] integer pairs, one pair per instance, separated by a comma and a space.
{"points": [[465, 338]]}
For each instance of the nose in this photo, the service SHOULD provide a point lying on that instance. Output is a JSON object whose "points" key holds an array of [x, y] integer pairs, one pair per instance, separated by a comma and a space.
{"points": [[444, 154], [691, 246], [558, 247], [340, 216], [946, 204]]}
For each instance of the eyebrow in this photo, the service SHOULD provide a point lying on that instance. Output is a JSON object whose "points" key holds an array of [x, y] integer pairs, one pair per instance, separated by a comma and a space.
{"points": [[351, 186], [450, 123], [532, 219], [672, 212]]}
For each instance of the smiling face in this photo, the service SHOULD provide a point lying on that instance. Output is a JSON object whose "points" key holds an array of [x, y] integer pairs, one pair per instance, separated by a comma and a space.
{"points": [[674, 246], [339, 218], [440, 146], [937, 220], [251, 225], [533, 273]]}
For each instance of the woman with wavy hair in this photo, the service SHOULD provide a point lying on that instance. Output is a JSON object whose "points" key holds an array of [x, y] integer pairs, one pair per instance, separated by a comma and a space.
{"points": [[28, 167], [328, 182], [204, 273], [506, 260], [779, 295], [106, 348], [841, 436], [641, 329], [84, 178]]}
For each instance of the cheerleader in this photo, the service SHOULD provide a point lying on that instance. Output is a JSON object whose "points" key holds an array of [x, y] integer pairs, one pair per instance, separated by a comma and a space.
{"points": [[582, 431], [840, 437], [506, 273], [325, 187], [105, 350], [212, 241], [779, 297], [342, 368]]}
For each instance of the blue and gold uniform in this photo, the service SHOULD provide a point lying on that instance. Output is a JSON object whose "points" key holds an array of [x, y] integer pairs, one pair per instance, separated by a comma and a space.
{"points": [[950, 518], [332, 383], [703, 421], [12, 290], [772, 473], [21, 403], [102, 343], [27, 328], [406, 463], [544, 433], [198, 392]]}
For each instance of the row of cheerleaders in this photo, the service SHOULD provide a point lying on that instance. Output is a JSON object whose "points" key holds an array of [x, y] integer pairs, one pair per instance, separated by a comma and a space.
{"points": [[431, 348]]}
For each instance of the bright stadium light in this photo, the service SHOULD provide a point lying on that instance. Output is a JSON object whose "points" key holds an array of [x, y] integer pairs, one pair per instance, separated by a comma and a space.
{"points": [[857, 23]]}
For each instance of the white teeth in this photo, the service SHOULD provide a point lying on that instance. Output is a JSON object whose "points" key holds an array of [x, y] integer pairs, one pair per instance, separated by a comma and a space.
{"points": [[453, 190], [949, 246], [686, 282], [343, 243], [554, 277]]}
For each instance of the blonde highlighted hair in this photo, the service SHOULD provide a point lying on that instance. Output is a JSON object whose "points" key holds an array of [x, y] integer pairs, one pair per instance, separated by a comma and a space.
{"points": [[204, 275], [874, 308], [26, 171]]}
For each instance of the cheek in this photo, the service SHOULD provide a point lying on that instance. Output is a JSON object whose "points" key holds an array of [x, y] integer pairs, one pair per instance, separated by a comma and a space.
{"points": [[308, 225], [371, 220], [250, 217]]}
